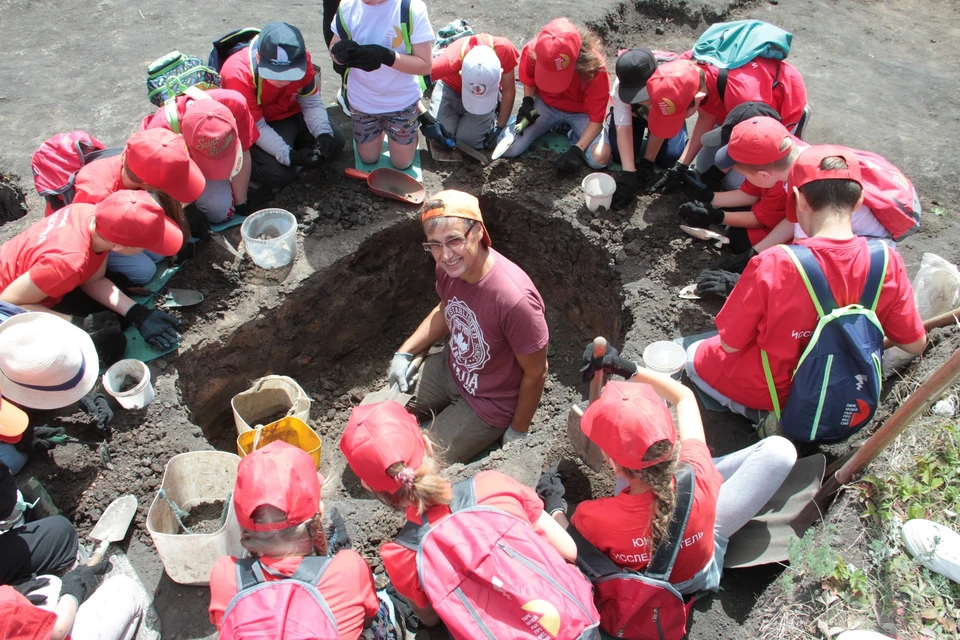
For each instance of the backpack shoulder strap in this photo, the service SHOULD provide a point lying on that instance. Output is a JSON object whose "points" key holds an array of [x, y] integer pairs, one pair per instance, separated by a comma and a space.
{"points": [[249, 573], [341, 25], [173, 118], [813, 278], [661, 565], [879, 259], [310, 569], [591, 561], [406, 24], [464, 495], [255, 69], [722, 83]]}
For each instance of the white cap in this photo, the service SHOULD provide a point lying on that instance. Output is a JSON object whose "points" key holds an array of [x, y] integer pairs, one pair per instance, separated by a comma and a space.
{"points": [[481, 80]]}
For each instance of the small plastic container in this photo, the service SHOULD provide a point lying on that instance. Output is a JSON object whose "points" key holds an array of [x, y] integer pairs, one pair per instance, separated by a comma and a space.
{"points": [[137, 397], [270, 237], [665, 357], [598, 189]]}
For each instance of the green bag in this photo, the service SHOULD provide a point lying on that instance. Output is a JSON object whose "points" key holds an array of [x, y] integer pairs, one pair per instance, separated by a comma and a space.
{"points": [[171, 75]]}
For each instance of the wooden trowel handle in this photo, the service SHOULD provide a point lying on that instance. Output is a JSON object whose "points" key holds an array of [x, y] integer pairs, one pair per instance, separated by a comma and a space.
{"points": [[599, 350], [356, 173], [936, 322], [99, 553]]}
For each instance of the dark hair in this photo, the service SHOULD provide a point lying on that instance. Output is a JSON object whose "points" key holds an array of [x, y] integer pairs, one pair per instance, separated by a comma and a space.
{"points": [[838, 194]]}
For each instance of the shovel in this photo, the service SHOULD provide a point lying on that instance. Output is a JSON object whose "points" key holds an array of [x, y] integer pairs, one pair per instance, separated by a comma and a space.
{"points": [[510, 136], [112, 525], [178, 298], [392, 184], [392, 392], [467, 150], [588, 451]]}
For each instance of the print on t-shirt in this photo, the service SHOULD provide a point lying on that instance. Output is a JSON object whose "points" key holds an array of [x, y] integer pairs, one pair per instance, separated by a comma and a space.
{"points": [[470, 351]]}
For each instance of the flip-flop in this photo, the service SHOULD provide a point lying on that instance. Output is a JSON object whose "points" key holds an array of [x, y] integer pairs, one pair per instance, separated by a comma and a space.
{"points": [[704, 234], [689, 292]]}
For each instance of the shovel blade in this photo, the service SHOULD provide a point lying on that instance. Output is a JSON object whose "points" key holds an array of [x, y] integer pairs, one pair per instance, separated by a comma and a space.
{"points": [[504, 144], [390, 183], [181, 298], [585, 448], [467, 150], [113, 524]]}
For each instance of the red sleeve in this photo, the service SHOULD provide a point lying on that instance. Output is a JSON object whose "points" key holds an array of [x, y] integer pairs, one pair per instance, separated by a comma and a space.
{"points": [[794, 97], [309, 84], [496, 489], [348, 588], [897, 309], [223, 586], [772, 206], [400, 564], [235, 75], [739, 319], [698, 455], [246, 127], [447, 64], [527, 65], [55, 275], [751, 189], [597, 97], [508, 54]]}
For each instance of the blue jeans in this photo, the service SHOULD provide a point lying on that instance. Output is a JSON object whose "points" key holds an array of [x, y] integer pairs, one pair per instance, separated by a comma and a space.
{"points": [[140, 268], [549, 120], [12, 458], [670, 150]]}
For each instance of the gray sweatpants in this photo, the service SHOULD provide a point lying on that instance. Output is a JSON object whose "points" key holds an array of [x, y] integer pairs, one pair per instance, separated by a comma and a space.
{"points": [[468, 128]]}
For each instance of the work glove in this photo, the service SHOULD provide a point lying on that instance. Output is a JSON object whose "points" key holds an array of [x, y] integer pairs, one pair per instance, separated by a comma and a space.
{"points": [[398, 371], [492, 138], [698, 214], [26, 587], [197, 221], [158, 328], [326, 145], [343, 51], [526, 111], [431, 129], [626, 189], [738, 261], [241, 209], [550, 489], [695, 189], [96, 406], [714, 282], [40, 439], [673, 179], [81, 582], [646, 171], [308, 158], [611, 362], [511, 435], [335, 529], [570, 160], [97, 321], [370, 57]]}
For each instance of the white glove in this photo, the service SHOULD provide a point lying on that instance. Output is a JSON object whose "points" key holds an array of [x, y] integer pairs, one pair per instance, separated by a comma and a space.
{"points": [[398, 371], [512, 434]]}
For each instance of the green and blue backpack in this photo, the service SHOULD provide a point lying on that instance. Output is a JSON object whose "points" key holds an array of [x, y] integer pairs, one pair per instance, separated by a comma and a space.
{"points": [[730, 45]]}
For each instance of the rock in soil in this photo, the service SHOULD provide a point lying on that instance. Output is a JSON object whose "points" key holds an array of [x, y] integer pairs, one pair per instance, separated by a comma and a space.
{"points": [[204, 517]]}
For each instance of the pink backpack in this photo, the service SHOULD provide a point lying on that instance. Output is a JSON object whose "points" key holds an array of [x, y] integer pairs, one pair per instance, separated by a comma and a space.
{"points": [[490, 575], [643, 606], [287, 609], [56, 162], [889, 195]]}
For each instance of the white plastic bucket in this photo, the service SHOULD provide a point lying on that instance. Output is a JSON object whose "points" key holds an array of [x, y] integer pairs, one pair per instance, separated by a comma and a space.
{"points": [[139, 396], [189, 479], [270, 237], [598, 190], [268, 397], [665, 357]]}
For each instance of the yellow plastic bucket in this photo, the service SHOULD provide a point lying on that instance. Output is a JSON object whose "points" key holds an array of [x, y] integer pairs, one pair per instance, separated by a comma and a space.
{"points": [[291, 430]]}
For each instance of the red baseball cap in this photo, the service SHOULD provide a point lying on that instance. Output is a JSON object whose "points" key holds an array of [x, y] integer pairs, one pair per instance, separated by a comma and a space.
{"points": [[672, 88], [807, 169], [557, 50], [135, 219], [282, 476], [626, 420], [160, 158], [380, 435], [20, 620], [755, 141], [210, 131]]}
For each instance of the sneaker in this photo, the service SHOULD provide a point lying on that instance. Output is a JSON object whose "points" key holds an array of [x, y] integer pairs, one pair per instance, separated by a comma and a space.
{"points": [[768, 425], [934, 546], [342, 103]]}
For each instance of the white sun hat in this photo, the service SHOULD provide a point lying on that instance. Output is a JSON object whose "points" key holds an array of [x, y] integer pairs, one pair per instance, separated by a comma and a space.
{"points": [[934, 546], [45, 361], [481, 73]]}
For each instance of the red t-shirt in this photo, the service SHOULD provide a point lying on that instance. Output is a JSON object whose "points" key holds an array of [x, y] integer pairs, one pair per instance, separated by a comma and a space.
{"points": [[448, 64], [55, 251], [770, 309], [346, 585], [771, 209], [274, 103], [621, 526], [753, 82], [99, 179], [21, 620], [590, 97], [247, 130], [493, 489], [491, 322]]}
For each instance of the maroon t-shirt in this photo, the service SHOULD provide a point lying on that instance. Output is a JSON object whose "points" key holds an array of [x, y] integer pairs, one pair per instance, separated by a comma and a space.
{"points": [[491, 322]]}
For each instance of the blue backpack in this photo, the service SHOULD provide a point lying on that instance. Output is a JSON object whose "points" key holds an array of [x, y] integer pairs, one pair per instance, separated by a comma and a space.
{"points": [[730, 45], [836, 385]]}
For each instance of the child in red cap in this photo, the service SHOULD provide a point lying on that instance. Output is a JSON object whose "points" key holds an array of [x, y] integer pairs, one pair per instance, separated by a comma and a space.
{"points": [[277, 502], [769, 309], [565, 81], [632, 425], [384, 446]]}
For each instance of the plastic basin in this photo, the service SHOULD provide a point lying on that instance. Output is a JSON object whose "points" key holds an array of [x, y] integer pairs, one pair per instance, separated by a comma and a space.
{"points": [[137, 397], [269, 396], [270, 238], [598, 190], [665, 357], [290, 430]]}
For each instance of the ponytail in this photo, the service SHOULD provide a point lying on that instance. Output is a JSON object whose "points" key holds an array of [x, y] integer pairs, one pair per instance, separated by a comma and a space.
{"points": [[174, 210], [422, 487], [659, 478]]}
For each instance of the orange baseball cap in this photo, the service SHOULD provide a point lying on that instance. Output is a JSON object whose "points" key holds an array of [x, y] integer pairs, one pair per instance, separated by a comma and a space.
{"points": [[134, 219], [807, 169], [160, 158], [279, 475], [210, 131], [13, 421], [557, 50], [672, 88], [378, 436], [455, 204], [626, 420]]}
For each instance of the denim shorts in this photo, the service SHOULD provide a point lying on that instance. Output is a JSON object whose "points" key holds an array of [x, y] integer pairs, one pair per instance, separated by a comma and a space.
{"points": [[400, 126]]}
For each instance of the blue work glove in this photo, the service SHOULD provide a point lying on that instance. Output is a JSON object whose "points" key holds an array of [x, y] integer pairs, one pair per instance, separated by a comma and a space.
{"points": [[158, 328], [431, 129]]}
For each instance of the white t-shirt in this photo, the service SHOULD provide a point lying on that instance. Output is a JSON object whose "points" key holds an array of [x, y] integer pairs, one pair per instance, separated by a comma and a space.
{"points": [[386, 89], [622, 112]]}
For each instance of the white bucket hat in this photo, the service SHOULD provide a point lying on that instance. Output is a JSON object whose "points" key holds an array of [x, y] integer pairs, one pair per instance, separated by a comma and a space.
{"points": [[45, 362], [481, 73]]}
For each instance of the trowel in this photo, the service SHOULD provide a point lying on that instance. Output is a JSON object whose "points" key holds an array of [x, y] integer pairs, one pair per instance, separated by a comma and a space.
{"points": [[510, 136], [392, 392], [467, 150], [179, 298], [112, 525], [588, 451]]}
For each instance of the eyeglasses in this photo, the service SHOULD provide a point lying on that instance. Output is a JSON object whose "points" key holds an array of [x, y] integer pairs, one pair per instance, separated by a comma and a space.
{"points": [[454, 243]]}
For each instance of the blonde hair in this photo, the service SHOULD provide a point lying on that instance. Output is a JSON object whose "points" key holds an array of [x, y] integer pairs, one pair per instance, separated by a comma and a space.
{"points": [[424, 490], [591, 59], [304, 539], [659, 478], [782, 164]]}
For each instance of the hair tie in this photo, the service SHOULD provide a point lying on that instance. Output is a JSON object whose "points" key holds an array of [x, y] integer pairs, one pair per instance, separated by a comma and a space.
{"points": [[406, 477]]}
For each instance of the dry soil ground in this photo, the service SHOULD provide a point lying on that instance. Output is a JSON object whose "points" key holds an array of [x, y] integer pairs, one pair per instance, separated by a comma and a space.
{"points": [[880, 76]]}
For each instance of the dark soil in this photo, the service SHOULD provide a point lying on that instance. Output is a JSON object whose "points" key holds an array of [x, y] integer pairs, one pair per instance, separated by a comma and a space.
{"points": [[13, 205], [204, 517], [128, 382]]}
